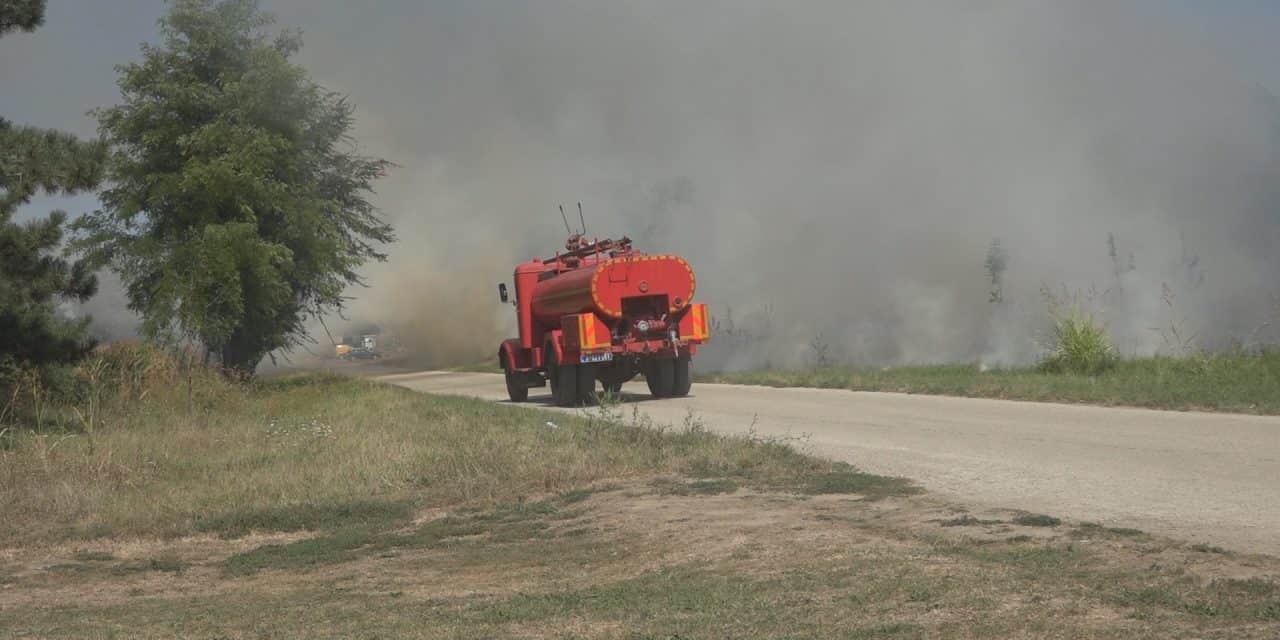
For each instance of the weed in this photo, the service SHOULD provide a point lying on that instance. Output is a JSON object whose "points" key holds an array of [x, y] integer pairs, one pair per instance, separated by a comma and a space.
{"points": [[1078, 343]]}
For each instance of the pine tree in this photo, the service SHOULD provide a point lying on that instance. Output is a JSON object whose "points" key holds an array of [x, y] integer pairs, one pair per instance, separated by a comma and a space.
{"points": [[33, 276], [237, 207], [21, 14]]}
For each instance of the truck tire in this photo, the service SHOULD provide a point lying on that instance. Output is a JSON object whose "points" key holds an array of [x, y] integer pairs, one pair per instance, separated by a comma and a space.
{"points": [[566, 392], [661, 378], [681, 382], [553, 375], [586, 385], [515, 390]]}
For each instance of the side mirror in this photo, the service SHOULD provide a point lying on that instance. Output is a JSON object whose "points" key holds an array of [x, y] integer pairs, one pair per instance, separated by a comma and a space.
{"points": [[502, 291]]}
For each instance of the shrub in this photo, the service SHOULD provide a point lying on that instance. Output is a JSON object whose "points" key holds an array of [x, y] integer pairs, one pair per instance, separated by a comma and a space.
{"points": [[1079, 343]]}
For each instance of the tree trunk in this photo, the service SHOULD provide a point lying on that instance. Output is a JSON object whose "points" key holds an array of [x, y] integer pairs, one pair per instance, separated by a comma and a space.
{"points": [[239, 361]]}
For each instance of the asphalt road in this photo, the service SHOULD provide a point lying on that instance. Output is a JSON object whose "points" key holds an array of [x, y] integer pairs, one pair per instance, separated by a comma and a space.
{"points": [[1201, 477]]}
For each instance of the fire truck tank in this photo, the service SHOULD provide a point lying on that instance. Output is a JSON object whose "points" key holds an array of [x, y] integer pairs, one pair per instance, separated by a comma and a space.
{"points": [[602, 287]]}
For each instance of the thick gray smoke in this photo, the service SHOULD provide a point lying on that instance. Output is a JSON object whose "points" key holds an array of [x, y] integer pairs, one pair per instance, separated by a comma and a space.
{"points": [[835, 171]]}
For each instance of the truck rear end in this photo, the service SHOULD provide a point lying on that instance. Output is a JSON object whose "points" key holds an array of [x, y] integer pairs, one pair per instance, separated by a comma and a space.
{"points": [[604, 313]]}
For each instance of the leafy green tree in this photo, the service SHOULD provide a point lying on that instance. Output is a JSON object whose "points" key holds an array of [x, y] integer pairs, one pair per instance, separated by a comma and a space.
{"points": [[237, 205], [33, 277]]}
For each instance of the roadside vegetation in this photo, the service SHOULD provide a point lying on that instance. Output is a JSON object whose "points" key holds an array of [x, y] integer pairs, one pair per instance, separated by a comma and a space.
{"points": [[1239, 382], [1079, 364], [323, 506], [149, 446]]}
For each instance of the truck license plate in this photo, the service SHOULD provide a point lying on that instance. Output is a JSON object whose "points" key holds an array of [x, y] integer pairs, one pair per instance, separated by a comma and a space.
{"points": [[588, 358]]}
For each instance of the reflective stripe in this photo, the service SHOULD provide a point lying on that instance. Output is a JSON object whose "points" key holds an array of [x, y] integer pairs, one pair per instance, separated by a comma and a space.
{"points": [[699, 330], [699, 321], [587, 331]]}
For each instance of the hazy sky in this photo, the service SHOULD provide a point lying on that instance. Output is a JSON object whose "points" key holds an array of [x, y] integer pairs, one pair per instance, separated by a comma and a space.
{"points": [[830, 168], [53, 76]]}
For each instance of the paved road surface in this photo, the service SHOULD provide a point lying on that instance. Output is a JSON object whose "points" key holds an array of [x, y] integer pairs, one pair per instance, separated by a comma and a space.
{"points": [[1195, 476]]}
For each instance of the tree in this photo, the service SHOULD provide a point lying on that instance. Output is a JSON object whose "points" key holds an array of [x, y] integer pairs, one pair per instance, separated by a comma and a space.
{"points": [[21, 14], [33, 277], [237, 205]]}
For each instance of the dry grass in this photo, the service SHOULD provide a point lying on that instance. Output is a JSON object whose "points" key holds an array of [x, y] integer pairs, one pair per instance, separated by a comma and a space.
{"points": [[302, 453], [631, 561]]}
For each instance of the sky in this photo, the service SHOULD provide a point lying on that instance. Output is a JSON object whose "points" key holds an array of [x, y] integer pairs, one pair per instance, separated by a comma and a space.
{"points": [[834, 170]]}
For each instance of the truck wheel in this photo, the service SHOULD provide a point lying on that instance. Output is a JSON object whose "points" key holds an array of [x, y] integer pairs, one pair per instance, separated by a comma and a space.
{"points": [[553, 376], [516, 391], [586, 385], [682, 382], [661, 378], [566, 392]]}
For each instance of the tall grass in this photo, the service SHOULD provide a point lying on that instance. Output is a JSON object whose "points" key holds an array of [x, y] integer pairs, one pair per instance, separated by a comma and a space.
{"points": [[113, 383], [1078, 344]]}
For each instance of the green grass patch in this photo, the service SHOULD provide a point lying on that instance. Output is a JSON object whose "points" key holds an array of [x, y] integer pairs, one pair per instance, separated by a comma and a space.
{"points": [[846, 479], [305, 517], [1244, 383], [92, 556], [1248, 600], [1036, 520], [717, 486], [506, 523], [1095, 530]]}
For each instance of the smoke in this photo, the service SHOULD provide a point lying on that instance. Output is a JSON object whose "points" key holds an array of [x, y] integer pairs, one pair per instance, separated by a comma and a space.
{"points": [[842, 165], [832, 170]]}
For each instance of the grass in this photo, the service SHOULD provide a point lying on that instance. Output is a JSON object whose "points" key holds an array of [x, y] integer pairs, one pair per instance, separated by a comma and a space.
{"points": [[579, 567], [1244, 383], [327, 507], [489, 365], [322, 452]]}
